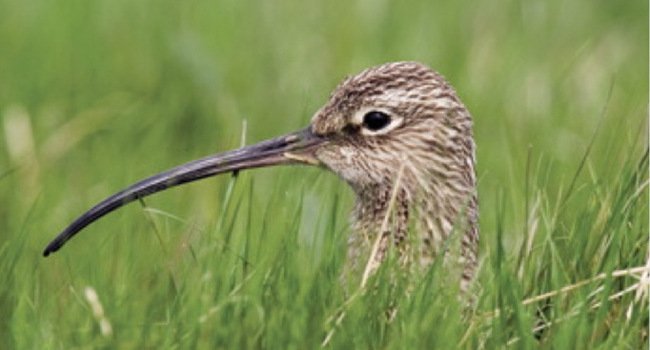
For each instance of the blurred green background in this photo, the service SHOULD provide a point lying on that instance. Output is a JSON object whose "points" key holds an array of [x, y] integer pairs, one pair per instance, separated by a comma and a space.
{"points": [[95, 95]]}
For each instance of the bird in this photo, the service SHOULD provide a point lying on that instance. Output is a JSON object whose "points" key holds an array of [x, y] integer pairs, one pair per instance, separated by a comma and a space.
{"points": [[399, 136]]}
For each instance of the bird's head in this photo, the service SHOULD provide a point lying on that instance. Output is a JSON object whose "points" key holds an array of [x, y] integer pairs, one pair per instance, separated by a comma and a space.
{"points": [[395, 116]]}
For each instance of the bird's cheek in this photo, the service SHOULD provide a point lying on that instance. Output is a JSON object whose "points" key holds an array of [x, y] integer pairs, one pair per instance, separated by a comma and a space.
{"points": [[342, 160]]}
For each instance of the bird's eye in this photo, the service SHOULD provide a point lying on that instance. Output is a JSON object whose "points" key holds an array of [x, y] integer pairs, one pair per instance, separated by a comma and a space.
{"points": [[375, 120]]}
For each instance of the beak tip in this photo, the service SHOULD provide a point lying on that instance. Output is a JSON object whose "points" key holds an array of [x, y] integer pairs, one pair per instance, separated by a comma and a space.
{"points": [[51, 248]]}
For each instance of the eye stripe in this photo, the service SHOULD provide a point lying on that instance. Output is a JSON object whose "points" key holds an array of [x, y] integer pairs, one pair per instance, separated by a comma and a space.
{"points": [[351, 129]]}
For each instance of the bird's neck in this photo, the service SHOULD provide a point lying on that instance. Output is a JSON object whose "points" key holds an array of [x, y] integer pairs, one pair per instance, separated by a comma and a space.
{"points": [[382, 210], [378, 206]]}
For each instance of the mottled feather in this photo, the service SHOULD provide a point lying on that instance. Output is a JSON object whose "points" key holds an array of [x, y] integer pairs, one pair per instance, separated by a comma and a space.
{"points": [[429, 137]]}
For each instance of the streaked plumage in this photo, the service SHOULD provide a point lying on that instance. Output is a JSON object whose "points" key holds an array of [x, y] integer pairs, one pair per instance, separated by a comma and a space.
{"points": [[398, 120], [431, 137]]}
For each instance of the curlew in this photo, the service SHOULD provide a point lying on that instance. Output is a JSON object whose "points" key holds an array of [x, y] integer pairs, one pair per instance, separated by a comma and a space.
{"points": [[398, 135]]}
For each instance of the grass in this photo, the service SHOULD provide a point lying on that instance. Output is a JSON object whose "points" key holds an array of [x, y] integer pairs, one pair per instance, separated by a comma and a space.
{"points": [[96, 95]]}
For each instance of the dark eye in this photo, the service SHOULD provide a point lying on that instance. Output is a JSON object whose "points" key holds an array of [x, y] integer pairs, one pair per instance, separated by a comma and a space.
{"points": [[375, 120]]}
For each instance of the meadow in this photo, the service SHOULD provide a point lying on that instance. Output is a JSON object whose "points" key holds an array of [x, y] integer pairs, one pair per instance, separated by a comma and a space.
{"points": [[95, 95]]}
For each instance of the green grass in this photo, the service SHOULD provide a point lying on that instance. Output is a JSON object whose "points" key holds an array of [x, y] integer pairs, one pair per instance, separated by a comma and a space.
{"points": [[95, 95]]}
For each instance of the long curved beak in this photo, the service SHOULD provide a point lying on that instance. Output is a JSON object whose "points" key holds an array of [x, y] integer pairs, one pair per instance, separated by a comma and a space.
{"points": [[297, 147]]}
